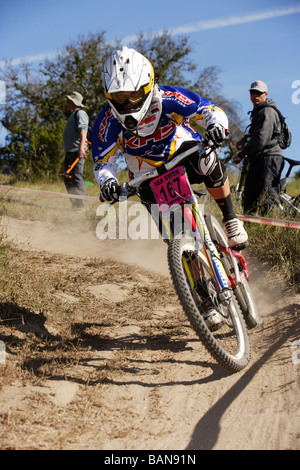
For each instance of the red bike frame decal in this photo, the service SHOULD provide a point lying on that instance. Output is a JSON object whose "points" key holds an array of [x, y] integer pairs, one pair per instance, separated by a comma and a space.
{"points": [[188, 216], [244, 273]]}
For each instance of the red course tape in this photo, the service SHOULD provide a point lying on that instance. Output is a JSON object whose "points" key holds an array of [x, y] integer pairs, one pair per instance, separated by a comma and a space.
{"points": [[246, 218]]}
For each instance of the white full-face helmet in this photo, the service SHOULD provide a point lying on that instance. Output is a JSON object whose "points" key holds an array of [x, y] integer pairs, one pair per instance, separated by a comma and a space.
{"points": [[128, 81]]}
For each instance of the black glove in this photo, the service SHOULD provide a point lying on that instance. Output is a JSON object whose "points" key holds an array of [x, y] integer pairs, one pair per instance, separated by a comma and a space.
{"points": [[110, 191], [215, 134]]}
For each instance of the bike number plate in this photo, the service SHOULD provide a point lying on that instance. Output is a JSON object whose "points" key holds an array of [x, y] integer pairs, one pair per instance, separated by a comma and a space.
{"points": [[171, 188]]}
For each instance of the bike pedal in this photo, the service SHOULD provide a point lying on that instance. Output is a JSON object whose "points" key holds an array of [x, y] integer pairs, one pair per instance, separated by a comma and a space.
{"points": [[241, 246]]}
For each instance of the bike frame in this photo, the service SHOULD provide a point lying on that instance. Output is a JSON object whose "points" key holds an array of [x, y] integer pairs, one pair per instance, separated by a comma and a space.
{"points": [[196, 221], [193, 217], [286, 199]]}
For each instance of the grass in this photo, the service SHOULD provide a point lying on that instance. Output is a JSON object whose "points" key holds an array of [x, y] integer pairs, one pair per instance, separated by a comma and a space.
{"points": [[293, 187], [280, 246], [277, 245], [50, 208]]}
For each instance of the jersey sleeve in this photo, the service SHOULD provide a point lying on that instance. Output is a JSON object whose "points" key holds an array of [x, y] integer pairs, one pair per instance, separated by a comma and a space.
{"points": [[105, 139], [104, 171], [82, 120], [192, 106]]}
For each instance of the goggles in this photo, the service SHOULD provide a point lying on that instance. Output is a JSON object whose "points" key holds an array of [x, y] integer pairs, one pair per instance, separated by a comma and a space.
{"points": [[132, 96]]}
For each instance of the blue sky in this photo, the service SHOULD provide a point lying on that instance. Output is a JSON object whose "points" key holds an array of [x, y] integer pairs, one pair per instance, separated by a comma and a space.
{"points": [[246, 40]]}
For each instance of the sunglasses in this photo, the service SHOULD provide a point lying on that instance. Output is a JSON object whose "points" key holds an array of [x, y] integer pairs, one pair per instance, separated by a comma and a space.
{"points": [[256, 92]]}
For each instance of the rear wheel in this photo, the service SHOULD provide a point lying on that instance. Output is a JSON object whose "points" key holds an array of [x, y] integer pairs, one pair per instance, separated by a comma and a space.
{"points": [[195, 284], [242, 292]]}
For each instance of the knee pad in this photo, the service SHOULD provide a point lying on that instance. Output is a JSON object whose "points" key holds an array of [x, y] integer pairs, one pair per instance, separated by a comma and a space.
{"points": [[212, 169]]}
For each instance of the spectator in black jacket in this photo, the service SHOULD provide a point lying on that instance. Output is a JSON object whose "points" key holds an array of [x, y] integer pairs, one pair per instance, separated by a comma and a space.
{"points": [[263, 152]]}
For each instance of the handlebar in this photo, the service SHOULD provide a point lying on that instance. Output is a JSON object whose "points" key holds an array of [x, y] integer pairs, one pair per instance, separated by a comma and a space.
{"points": [[129, 188], [291, 163]]}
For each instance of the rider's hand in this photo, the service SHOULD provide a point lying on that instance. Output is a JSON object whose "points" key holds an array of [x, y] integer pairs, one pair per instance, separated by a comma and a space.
{"points": [[215, 134], [110, 191], [237, 159]]}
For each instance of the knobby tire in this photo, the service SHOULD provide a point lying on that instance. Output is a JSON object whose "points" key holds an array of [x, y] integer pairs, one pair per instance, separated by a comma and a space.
{"points": [[230, 345], [243, 293]]}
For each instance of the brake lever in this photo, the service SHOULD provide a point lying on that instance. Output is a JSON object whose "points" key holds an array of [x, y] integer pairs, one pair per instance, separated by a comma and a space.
{"points": [[125, 191]]}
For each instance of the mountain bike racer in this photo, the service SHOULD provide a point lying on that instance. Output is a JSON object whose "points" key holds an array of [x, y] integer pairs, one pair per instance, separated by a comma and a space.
{"points": [[150, 124]]}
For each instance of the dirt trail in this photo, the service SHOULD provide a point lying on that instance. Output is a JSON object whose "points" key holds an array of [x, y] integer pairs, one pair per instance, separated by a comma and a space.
{"points": [[161, 389]]}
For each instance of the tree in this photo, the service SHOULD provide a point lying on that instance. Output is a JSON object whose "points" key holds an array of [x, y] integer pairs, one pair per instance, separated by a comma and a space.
{"points": [[209, 86], [35, 112], [170, 58]]}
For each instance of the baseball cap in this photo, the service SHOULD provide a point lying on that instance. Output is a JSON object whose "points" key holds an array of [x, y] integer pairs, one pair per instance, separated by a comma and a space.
{"points": [[259, 85], [76, 98]]}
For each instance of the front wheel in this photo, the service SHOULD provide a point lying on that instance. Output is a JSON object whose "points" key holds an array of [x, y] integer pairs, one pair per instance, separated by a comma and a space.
{"points": [[189, 268]]}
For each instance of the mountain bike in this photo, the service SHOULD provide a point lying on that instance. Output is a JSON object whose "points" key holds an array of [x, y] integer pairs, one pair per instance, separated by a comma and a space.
{"points": [[204, 270], [288, 205]]}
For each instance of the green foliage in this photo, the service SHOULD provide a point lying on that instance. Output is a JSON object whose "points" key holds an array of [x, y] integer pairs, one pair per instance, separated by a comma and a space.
{"points": [[35, 110], [35, 113], [208, 86], [170, 58]]}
